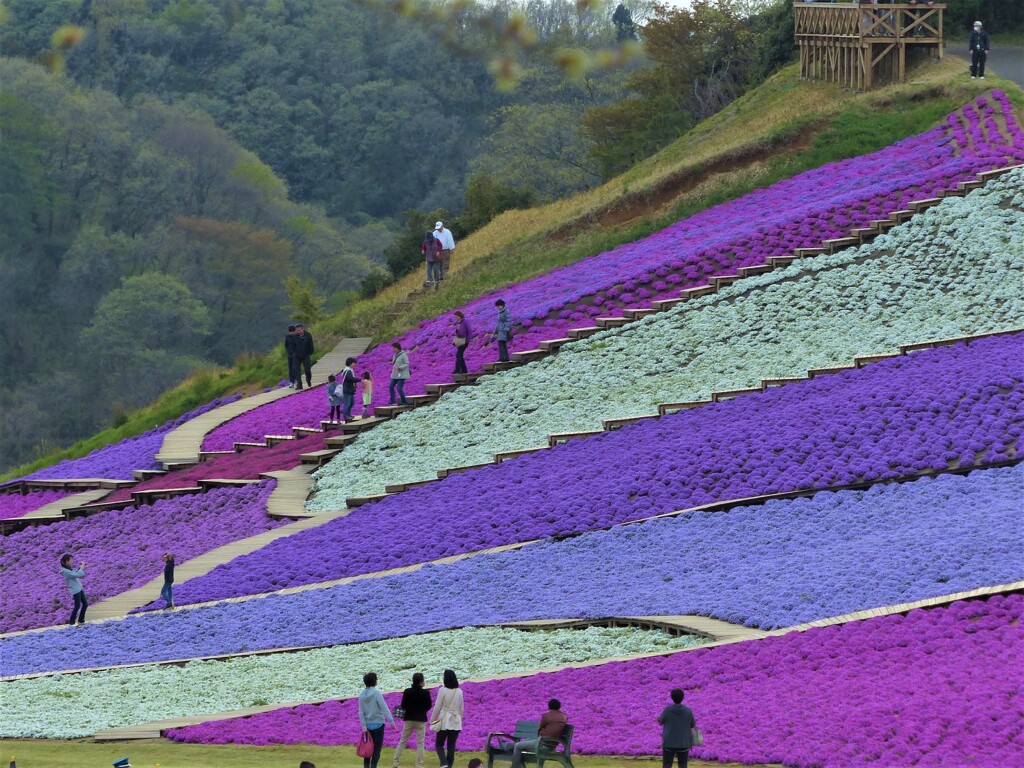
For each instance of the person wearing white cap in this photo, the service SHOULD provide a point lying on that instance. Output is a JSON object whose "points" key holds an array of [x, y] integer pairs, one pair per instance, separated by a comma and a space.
{"points": [[447, 246], [979, 51]]}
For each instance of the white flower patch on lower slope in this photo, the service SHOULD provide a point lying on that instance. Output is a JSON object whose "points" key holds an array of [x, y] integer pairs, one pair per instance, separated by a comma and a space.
{"points": [[76, 705], [953, 270]]}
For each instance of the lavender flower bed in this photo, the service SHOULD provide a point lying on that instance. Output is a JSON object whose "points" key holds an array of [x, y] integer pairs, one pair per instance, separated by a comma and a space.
{"points": [[117, 460], [931, 410], [16, 504], [122, 549], [772, 566], [795, 213], [894, 691]]}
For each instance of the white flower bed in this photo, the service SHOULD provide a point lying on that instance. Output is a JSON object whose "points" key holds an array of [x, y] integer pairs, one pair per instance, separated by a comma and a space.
{"points": [[76, 705], [954, 270]]}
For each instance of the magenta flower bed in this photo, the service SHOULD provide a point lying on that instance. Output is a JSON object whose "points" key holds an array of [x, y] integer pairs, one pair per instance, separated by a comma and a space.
{"points": [[117, 460], [935, 409], [902, 690], [16, 504], [122, 549], [795, 213], [245, 465]]}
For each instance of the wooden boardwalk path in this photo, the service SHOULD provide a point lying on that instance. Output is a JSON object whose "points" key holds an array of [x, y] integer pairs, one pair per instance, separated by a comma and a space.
{"points": [[739, 635], [183, 444], [55, 509]]}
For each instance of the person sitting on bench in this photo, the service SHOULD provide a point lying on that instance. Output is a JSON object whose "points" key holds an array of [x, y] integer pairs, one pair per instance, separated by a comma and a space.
{"points": [[552, 724]]}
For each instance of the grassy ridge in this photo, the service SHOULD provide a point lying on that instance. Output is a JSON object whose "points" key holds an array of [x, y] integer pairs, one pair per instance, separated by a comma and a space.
{"points": [[782, 128]]}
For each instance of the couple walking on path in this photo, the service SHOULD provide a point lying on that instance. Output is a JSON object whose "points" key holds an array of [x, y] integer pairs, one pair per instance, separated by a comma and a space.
{"points": [[502, 334], [298, 346], [437, 248]]}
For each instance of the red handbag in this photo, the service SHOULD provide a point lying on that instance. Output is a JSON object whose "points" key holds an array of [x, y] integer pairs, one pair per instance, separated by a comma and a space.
{"points": [[364, 747]]}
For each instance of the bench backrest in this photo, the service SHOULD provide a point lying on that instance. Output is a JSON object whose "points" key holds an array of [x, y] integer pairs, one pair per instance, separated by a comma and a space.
{"points": [[526, 729]]}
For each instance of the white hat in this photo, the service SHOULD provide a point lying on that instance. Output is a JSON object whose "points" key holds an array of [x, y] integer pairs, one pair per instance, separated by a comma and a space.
{"points": [[439, 225], [977, 23]]}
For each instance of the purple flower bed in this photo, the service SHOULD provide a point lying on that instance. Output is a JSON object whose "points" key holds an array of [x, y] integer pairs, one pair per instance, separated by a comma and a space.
{"points": [[772, 566], [953, 406], [117, 460], [893, 691], [16, 504], [795, 213], [122, 549]]}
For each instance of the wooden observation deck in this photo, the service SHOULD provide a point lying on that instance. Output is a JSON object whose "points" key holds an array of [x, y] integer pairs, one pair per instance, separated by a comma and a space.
{"points": [[862, 45]]}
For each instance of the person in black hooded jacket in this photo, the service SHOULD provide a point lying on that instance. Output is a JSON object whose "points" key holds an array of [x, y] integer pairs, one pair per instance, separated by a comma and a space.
{"points": [[303, 355], [416, 702], [979, 51], [677, 731]]}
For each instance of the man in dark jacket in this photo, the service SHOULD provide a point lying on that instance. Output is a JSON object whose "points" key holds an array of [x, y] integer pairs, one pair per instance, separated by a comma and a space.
{"points": [[303, 355], [677, 731], [979, 51], [291, 342]]}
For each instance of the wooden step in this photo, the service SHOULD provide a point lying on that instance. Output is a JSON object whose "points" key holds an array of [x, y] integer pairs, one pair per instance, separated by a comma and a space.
{"points": [[338, 441], [863, 233], [612, 322], [925, 204], [859, 361], [359, 501], [440, 389], [837, 244], [360, 425], [664, 408], [729, 394], [443, 473], [824, 371], [696, 293], [618, 423], [399, 487], [805, 253], [903, 215], [466, 378], [720, 281], [319, 458], [996, 172], [883, 225], [498, 366], [664, 304], [207, 455], [781, 381], [150, 495], [329, 426], [241, 446], [306, 431], [146, 474], [529, 355], [755, 269], [552, 344], [565, 437], [272, 440], [635, 313], [390, 411], [967, 186], [781, 261], [418, 400], [91, 509], [506, 455], [583, 333], [207, 483]]}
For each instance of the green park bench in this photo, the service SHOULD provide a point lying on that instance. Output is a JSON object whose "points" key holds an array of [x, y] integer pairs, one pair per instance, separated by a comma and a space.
{"points": [[499, 746]]}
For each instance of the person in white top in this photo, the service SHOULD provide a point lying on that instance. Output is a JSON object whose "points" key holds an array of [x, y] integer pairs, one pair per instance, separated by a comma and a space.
{"points": [[446, 719], [444, 236]]}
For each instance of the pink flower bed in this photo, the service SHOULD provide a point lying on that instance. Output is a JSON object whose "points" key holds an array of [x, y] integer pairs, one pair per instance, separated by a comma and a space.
{"points": [[936, 687], [16, 504], [122, 549], [795, 213], [245, 465]]}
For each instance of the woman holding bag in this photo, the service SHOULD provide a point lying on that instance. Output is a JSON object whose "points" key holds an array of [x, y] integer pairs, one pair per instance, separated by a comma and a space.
{"points": [[373, 711], [460, 341], [446, 719]]}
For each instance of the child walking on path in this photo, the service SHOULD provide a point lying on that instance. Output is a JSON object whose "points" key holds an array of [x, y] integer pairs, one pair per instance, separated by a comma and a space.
{"points": [[72, 578], [334, 398], [367, 394], [167, 592]]}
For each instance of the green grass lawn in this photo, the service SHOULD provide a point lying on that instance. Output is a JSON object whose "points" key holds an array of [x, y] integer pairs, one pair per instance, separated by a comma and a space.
{"points": [[151, 752]]}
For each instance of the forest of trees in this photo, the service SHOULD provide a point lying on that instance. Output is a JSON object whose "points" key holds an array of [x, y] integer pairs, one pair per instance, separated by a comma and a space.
{"points": [[183, 161]]}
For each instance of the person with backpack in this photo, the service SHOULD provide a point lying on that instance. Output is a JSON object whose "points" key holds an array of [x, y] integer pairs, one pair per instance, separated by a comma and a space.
{"points": [[348, 388], [503, 330], [431, 249]]}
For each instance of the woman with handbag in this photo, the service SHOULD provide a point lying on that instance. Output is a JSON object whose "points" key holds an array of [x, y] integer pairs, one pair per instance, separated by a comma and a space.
{"points": [[446, 719], [413, 709], [679, 731], [373, 711], [460, 341]]}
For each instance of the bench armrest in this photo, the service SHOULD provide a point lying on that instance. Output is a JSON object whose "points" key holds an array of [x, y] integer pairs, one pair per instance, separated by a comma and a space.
{"points": [[498, 734]]}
